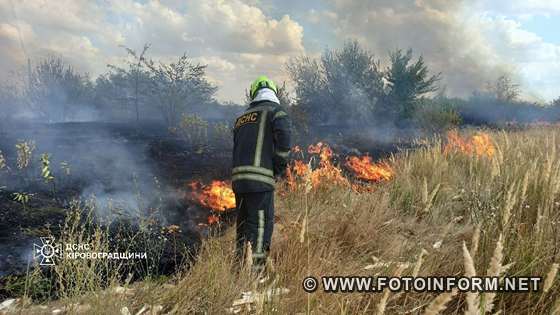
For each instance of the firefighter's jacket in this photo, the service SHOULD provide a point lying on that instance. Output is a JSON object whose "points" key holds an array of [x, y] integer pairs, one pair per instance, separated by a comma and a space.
{"points": [[261, 147]]}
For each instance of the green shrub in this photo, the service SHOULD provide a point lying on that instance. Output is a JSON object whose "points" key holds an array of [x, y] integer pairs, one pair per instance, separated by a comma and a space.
{"points": [[437, 116]]}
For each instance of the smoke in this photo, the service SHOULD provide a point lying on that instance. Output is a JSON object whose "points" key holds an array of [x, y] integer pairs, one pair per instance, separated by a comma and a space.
{"points": [[101, 161], [448, 34], [127, 172]]}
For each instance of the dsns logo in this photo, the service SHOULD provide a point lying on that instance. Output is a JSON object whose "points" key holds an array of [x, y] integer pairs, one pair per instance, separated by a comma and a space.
{"points": [[47, 251]]}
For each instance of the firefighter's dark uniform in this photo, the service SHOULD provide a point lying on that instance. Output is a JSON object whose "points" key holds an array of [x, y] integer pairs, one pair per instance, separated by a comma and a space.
{"points": [[260, 152]]}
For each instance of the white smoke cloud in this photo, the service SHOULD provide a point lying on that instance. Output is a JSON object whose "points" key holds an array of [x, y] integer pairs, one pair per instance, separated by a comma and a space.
{"points": [[468, 41], [89, 35]]}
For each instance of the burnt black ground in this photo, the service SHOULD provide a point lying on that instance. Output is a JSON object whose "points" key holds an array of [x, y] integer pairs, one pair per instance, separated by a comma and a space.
{"points": [[129, 160], [112, 159]]}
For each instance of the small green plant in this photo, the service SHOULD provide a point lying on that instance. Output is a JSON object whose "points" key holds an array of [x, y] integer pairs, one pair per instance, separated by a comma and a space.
{"points": [[46, 173], [24, 153], [23, 198]]}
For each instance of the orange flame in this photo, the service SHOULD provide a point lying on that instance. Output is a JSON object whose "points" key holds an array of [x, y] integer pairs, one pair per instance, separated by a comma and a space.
{"points": [[479, 144], [300, 168], [213, 219], [364, 168], [315, 148], [217, 196], [483, 145], [325, 172]]}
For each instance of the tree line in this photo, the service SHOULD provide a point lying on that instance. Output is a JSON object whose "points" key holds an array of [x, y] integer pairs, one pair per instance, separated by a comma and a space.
{"points": [[348, 87], [344, 87], [141, 89]]}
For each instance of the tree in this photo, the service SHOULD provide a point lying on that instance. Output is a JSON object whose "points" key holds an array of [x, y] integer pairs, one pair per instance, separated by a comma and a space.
{"points": [[409, 81], [137, 74], [311, 96], [178, 86], [127, 88], [55, 89], [342, 87], [505, 89]]}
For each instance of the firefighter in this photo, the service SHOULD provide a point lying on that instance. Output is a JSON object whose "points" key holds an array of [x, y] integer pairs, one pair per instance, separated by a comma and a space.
{"points": [[260, 153]]}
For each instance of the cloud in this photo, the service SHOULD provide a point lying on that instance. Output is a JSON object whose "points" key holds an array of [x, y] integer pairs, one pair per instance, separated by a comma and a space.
{"points": [[520, 7], [461, 39], [89, 34], [470, 42], [537, 62], [316, 17], [433, 28]]}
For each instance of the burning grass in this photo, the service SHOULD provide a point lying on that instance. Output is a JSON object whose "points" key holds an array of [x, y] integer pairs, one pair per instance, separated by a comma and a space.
{"points": [[478, 144], [365, 169], [217, 196], [322, 169], [439, 214]]}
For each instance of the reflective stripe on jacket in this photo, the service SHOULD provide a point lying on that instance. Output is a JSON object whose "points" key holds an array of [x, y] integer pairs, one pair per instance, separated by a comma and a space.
{"points": [[261, 147]]}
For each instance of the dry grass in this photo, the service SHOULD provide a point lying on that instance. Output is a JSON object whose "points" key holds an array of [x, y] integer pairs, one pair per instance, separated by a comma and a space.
{"points": [[452, 199]]}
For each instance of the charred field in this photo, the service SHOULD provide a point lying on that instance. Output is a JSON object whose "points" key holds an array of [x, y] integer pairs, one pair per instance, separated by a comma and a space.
{"points": [[126, 171], [490, 193], [134, 182]]}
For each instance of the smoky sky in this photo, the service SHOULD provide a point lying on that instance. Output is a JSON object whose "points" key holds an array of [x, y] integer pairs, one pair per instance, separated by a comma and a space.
{"points": [[472, 42], [436, 29]]}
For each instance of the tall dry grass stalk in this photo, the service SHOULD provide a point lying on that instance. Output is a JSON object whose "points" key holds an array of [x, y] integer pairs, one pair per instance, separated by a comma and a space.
{"points": [[248, 261], [556, 307], [439, 303], [494, 270], [308, 185], [475, 240], [550, 276], [382, 305], [419, 262], [473, 299]]}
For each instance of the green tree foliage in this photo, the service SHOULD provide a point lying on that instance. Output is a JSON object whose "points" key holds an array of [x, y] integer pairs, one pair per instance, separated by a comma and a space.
{"points": [[178, 87], [342, 87], [437, 115], [124, 91], [347, 87], [56, 89], [409, 81]]}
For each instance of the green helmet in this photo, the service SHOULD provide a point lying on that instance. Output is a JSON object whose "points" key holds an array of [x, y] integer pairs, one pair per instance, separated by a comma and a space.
{"points": [[260, 83]]}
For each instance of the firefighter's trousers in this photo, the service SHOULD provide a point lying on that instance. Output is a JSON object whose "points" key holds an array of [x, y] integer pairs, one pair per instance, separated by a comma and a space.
{"points": [[255, 221]]}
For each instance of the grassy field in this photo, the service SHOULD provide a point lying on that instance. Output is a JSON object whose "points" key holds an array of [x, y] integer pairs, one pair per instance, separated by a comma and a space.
{"points": [[445, 212]]}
